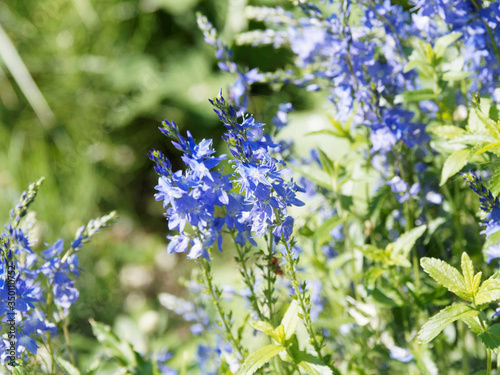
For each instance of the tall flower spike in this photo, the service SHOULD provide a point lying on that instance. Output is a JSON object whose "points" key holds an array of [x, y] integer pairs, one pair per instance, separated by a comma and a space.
{"points": [[489, 203]]}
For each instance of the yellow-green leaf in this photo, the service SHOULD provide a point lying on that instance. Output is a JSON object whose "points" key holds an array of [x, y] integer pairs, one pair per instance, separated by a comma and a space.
{"points": [[489, 291], [455, 76], [259, 358], [447, 276], [263, 327], [291, 319], [403, 245], [453, 164], [468, 272], [488, 147], [474, 324], [446, 316], [315, 369], [444, 42], [447, 131]]}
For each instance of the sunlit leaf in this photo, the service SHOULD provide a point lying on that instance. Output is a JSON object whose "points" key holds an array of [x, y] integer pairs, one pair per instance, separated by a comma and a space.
{"points": [[453, 164], [447, 276], [259, 359], [446, 316]]}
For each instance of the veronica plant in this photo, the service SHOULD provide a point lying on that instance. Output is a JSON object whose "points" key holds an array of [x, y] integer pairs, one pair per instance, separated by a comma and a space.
{"points": [[38, 290]]}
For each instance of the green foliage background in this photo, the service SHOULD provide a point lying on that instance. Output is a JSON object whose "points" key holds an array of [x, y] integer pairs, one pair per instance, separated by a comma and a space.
{"points": [[109, 72]]}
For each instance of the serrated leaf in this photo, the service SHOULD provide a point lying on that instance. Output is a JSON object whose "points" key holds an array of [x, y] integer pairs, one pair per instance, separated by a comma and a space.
{"points": [[491, 338], [474, 124], [444, 42], [447, 276], [315, 369], [488, 147], [474, 139], [68, 368], [455, 76], [476, 281], [442, 319], [453, 164], [491, 125], [259, 358], [468, 273], [291, 319], [489, 291], [474, 324], [447, 131], [494, 183], [403, 245]]}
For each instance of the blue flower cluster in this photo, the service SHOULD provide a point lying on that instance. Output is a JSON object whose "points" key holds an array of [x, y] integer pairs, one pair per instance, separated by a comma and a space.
{"points": [[205, 199], [490, 205], [478, 24], [42, 283]]}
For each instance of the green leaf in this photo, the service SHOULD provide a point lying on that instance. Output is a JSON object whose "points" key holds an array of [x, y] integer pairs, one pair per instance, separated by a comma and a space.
{"points": [[491, 125], [265, 327], [291, 319], [488, 292], [491, 338], [259, 358], [439, 321], [419, 95], [455, 76], [328, 164], [19, 370], [403, 245], [468, 272], [475, 123], [447, 276], [447, 131], [444, 42], [453, 164], [495, 183], [68, 368], [372, 275], [488, 147], [119, 348], [316, 175], [323, 231], [415, 64], [315, 369], [474, 324]]}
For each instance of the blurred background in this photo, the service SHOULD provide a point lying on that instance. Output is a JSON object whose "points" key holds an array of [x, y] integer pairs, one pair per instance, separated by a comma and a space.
{"points": [[84, 85]]}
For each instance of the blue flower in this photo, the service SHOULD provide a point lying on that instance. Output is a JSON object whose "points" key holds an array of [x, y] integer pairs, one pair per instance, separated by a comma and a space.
{"points": [[400, 354], [493, 252]]}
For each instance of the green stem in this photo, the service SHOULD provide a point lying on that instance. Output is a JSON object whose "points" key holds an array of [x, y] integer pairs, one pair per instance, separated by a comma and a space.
{"points": [[249, 279], [301, 299], [270, 280], [207, 278], [68, 342], [488, 361], [465, 354]]}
